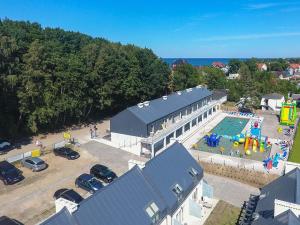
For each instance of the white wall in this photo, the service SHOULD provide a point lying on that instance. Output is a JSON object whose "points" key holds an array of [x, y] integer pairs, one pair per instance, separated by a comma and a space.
{"points": [[61, 203], [289, 166], [282, 206], [127, 142], [275, 104]]}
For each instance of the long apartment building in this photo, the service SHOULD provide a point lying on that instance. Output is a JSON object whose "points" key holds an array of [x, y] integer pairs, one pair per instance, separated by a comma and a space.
{"points": [[168, 190], [152, 125]]}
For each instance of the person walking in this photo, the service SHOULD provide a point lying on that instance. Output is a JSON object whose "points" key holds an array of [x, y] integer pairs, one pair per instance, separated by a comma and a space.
{"points": [[95, 130], [91, 132]]}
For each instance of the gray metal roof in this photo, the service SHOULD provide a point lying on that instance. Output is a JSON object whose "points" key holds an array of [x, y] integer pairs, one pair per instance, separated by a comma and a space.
{"points": [[285, 188], [172, 167], [273, 96], [160, 108], [122, 202], [63, 217], [285, 218]]}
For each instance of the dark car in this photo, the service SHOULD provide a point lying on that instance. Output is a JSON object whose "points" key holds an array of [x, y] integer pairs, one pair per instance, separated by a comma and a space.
{"points": [[68, 194], [102, 172], [66, 153], [4, 220], [88, 182], [245, 110], [10, 174], [5, 147]]}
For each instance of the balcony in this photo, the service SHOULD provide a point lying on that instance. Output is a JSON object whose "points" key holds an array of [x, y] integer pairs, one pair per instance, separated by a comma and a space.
{"points": [[180, 123]]}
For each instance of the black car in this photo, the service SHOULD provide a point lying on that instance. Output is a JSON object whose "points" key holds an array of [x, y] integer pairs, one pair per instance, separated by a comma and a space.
{"points": [[5, 147], [4, 220], [66, 153], [88, 182], [103, 173], [68, 194], [9, 173]]}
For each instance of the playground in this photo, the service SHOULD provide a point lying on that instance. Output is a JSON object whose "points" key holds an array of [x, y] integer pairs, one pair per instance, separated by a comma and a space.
{"points": [[232, 137], [266, 137]]}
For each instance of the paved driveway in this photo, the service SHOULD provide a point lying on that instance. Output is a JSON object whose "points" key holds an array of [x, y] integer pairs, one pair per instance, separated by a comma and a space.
{"points": [[114, 158], [230, 190]]}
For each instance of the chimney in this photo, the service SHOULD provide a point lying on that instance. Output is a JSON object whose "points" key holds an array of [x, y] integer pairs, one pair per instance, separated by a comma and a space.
{"points": [[140, 105], [146, 103], [165, 97]]}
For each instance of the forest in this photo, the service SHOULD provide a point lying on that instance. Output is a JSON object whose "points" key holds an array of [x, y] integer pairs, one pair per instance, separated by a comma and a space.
{"points": [[50, 78]]}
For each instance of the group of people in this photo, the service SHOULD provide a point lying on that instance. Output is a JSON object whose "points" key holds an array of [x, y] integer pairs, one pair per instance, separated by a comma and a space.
{"points": [[93, 131]]}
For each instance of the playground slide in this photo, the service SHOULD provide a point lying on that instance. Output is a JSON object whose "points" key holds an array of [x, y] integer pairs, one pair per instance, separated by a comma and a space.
{"points": [[254, 145], [288, 113], [246, 143]]}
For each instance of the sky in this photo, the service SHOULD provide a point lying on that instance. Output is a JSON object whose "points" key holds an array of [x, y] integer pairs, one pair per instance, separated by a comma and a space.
{"points": [[191, 28]]}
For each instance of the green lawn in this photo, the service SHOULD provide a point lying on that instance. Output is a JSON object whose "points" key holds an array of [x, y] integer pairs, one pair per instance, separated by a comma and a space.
{"points": [[295, 153], [223, 214]]}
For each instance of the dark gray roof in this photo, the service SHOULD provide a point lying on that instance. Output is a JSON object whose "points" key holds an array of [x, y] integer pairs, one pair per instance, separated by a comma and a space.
{"points": [[122, 202], [285, 188], [63, 217], [285, 218], [160, 108], [217, 94], [169, 168], [273, 96]]}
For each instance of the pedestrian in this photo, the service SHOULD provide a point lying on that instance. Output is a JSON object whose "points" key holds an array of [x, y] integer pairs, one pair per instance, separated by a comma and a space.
{"points": [[92, 133], [95, 129]]}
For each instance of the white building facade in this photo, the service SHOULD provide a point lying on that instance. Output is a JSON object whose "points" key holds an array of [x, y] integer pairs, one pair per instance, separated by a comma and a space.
{"points": [[153, 125]]}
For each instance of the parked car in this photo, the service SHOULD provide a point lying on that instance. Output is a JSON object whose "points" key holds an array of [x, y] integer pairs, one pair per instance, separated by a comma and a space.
{"points": [[4, 220], [102, 172], [34, 163], [68, 194], [66, 153], [4, 147], [9, 174], [88, 182]]}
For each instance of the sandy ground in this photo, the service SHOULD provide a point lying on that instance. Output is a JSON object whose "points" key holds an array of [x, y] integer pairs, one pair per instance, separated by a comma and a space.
{"points": [[82, 134], [32, 199]]}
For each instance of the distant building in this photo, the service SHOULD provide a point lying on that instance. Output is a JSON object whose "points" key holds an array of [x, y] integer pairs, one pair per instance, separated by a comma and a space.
{"points": [[233, 76], [218, 65], [168, 190], [278, 202], [296, 97], [293, 69], [152, 125], [272, 102], [262, 67], [178, 62]]}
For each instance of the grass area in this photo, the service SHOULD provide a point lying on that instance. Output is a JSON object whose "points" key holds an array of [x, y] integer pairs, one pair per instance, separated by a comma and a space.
{"points": [[223, 214], [295, 153]]}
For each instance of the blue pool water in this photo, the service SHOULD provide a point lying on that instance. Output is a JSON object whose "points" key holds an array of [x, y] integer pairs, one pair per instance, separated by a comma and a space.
{"points": [[230, 126]]}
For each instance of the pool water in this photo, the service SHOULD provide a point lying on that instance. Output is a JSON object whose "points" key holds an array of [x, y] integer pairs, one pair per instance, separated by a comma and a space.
{"points": [[230, 126]]}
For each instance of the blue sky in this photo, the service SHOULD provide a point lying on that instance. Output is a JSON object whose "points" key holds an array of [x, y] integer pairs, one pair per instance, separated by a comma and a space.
{"points": [[191, 28]]}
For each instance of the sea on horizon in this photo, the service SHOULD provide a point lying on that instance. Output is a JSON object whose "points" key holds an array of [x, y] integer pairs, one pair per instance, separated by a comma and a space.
{"points": [[201, 61]]}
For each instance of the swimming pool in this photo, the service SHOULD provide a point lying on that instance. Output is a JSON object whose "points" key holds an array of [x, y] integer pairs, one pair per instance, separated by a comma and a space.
{"points": [[230, 126]]}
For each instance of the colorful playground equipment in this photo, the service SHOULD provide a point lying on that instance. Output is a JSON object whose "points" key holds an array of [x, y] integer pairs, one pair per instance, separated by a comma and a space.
{"points": [[212, 140], [288, 113]]}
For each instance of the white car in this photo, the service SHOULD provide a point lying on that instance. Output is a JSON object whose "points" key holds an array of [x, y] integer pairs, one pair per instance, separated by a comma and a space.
{"points": [[4, 146]]}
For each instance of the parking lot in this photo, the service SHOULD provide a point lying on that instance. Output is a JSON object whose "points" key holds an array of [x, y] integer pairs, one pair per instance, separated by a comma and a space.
{"points": [[31, 200]]}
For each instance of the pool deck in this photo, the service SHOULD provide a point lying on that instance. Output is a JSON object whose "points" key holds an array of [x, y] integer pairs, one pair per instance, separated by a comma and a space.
{"points": [[196, 136]]}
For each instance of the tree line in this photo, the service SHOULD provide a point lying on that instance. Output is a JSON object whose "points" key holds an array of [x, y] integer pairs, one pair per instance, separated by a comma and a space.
{"points": [[50, 77]]}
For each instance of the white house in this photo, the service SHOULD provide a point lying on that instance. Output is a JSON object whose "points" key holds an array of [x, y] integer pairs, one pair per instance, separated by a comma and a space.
{"points": [[293, 69], [233, 76], [168, 190], [272, 102], [150, 126]]}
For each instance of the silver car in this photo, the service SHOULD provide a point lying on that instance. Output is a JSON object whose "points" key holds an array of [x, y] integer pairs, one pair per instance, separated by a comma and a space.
{"points": [[34, 163]]}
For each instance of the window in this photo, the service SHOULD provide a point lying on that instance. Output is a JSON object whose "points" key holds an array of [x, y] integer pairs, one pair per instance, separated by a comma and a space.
{"points": [[153, 212], [193, 172], [177, 189], [194, 122]]}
